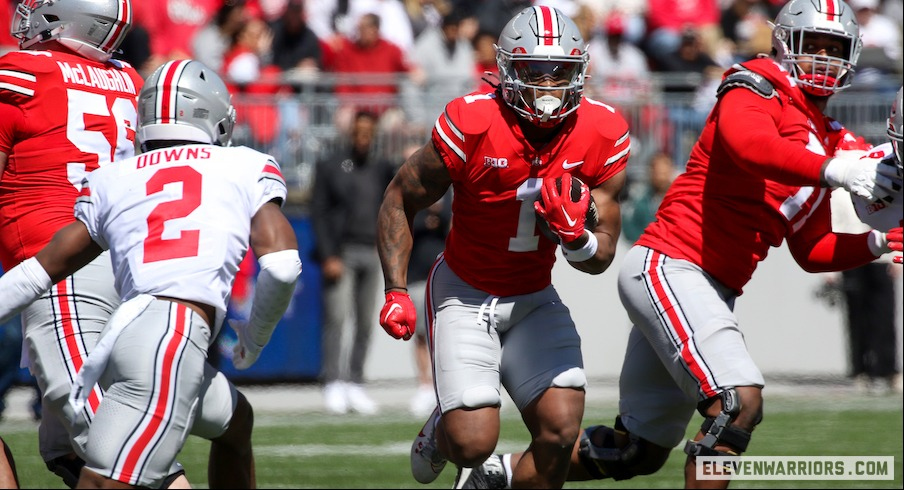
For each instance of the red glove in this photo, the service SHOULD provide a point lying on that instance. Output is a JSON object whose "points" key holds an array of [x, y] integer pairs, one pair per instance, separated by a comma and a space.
{"points": [[398, 316], [895, 240], [565, 217]]}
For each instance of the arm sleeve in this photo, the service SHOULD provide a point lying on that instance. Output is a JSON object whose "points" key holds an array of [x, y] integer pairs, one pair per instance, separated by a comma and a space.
{"points": [[272, 293], [753, 140]]}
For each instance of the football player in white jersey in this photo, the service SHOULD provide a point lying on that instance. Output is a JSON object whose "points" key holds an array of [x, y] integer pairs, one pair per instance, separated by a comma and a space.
{"points": [[177, 220], [879, 214]]}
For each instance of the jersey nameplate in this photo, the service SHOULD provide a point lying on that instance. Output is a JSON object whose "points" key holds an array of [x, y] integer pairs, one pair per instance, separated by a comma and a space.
{"points": [[749, 80]]}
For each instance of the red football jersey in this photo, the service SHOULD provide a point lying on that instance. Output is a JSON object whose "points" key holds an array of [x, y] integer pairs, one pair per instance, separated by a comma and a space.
{"points": [[63, 116], [724, 212], [496, 174]]}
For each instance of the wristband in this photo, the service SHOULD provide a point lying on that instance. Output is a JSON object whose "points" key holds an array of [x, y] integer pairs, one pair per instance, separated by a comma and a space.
{"points": [[583, 253], [877, 243]]}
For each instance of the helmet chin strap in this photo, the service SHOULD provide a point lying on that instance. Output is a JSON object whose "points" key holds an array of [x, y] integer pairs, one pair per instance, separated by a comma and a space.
{"points": [[547, 104]]}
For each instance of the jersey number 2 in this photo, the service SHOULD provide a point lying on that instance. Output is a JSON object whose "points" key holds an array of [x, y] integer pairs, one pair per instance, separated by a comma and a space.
{"points": [[157, 248]]}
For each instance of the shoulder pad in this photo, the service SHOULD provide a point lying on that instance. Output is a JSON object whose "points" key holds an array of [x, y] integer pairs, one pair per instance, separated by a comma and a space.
{"points": [[749, 80]]}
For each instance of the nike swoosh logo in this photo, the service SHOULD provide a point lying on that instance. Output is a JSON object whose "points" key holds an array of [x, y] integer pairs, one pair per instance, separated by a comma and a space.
{"points": [[567, 165], [570, 221], [392, 308]]}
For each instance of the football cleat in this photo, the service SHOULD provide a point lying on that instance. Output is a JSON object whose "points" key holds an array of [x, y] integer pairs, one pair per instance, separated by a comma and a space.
{"points": [[426, 460], [490, 474]]}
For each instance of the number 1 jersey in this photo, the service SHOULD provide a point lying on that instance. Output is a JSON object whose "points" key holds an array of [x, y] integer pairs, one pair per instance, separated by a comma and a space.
{"points": [[61, 116]]}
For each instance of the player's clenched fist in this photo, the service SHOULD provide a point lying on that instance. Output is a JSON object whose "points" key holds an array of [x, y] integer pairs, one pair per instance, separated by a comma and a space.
{"points": [[564, 212], [398, 316]]}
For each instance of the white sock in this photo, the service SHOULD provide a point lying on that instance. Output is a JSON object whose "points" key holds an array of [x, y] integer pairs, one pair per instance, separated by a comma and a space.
{"points": [[507, 466]]}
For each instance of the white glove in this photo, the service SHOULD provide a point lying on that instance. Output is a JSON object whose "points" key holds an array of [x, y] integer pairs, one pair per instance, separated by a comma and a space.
{"points": [[865, 177], [245, 352]]}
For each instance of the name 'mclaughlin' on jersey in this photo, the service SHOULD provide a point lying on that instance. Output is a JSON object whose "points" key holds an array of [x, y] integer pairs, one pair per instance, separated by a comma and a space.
{"points": [[60, 118], [496, 177], [162, 211]]}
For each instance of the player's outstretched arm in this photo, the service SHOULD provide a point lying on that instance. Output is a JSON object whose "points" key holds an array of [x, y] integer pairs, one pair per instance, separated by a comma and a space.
{"points": [[70, 249], [276, 248], [421, 181]]}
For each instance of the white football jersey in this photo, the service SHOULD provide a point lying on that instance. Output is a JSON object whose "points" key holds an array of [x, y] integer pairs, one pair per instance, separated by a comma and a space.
{"points": [[177, 221], [881, 215]]}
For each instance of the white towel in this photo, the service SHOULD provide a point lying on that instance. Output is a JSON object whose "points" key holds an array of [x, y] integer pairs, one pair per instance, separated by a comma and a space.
{"points": [[97, 359]]}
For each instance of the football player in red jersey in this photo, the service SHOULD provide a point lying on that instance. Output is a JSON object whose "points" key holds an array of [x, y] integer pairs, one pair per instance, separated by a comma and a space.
{"points": [[66, 108], [494, 317], [760, 173]]}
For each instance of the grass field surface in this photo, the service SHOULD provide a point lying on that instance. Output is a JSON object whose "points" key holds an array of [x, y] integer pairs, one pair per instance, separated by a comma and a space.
{"points": [[302, 447]]}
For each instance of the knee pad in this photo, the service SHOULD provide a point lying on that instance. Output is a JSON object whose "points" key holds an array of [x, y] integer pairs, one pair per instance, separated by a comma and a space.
{"points": [[719, 431], [607, 460]]}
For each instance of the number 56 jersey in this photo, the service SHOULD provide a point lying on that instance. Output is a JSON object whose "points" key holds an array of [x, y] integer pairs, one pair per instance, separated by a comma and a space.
{"points": [[177, 220], [61, 116]]}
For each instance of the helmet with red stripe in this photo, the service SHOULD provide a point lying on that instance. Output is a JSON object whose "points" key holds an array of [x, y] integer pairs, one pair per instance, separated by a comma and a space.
{"points": [[794, 41], [91, 28], [895, 131], [542, 61], [184, 100]]}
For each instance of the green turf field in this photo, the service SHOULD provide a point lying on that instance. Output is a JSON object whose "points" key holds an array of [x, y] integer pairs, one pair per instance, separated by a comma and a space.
{"points": [[313, 450]]}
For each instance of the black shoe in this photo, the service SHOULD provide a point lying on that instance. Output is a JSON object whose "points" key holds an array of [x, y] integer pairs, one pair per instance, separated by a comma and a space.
{"points": [[68, 468], [490, 474]]}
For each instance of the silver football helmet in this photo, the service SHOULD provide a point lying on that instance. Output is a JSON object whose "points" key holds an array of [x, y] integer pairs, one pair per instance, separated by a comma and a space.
{"points": [[796, 23], [542, 61], [184, 100], [91, 28], [895, 131]]}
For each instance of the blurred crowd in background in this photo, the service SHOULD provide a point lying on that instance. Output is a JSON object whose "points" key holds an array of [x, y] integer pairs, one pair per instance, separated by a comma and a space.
{"points": [[302, 69]]}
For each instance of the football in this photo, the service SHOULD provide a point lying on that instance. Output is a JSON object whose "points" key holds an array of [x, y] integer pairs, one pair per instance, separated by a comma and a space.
{"points": [[592, 217]]}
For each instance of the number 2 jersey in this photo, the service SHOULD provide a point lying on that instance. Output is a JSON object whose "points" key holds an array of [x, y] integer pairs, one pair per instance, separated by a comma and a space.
{"points": [[494, 244], [177, 220], [61, 116]]}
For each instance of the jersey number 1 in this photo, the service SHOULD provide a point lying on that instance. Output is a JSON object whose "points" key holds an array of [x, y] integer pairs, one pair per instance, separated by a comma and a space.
{"points": [[157, 248]]}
